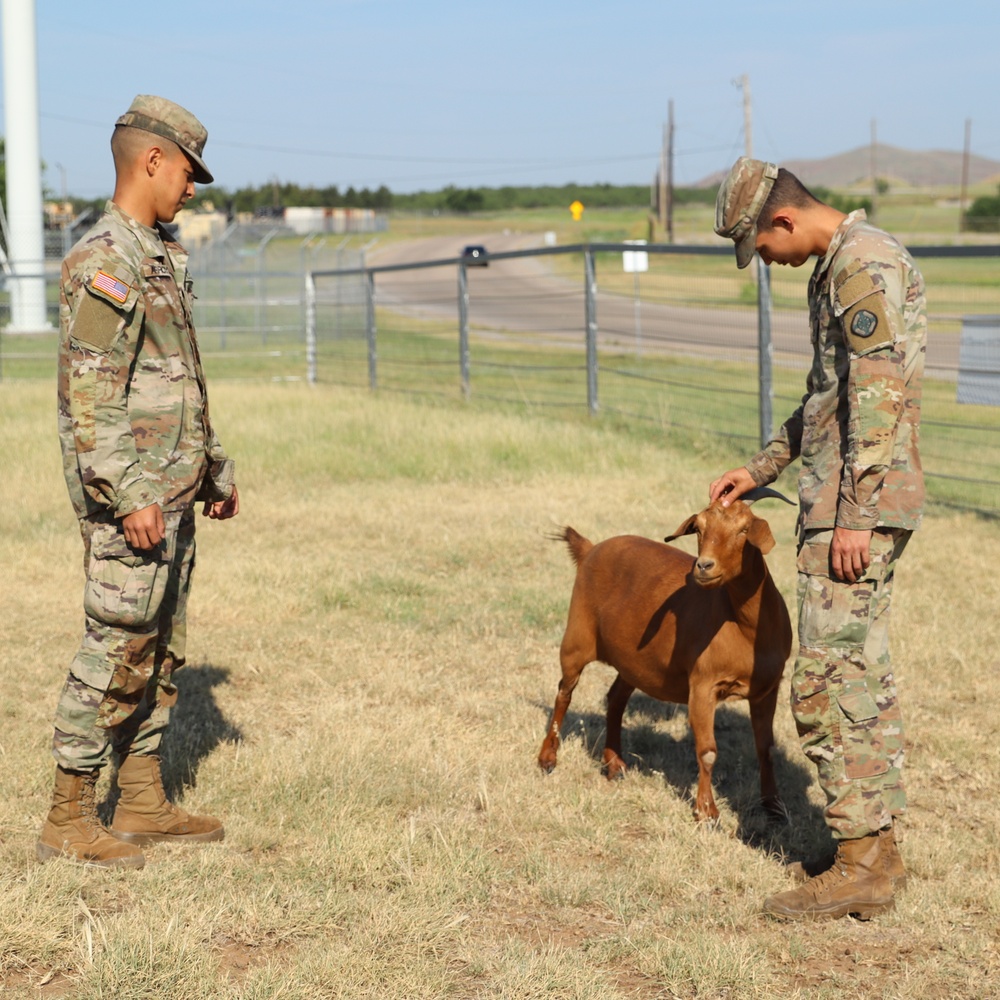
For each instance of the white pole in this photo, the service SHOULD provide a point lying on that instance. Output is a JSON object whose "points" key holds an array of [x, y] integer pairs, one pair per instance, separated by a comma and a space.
{"points": [[24, 168], [311, 366], [747, 114]]}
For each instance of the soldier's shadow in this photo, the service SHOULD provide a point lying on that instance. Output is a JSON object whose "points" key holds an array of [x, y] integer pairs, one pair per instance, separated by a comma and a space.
{"points": [[197, 727], [735, 778]]}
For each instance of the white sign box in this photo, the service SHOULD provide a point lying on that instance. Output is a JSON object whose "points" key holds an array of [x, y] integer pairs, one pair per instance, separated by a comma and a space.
{"points": [[635, 261]]}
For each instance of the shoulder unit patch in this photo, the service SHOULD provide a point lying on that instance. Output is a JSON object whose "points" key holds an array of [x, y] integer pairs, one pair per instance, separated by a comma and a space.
{"points": [[864, 323], [867, 326]]}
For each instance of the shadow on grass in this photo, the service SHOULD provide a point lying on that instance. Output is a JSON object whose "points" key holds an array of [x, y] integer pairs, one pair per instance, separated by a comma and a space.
{"points": [[197, 727], [735, 778]]}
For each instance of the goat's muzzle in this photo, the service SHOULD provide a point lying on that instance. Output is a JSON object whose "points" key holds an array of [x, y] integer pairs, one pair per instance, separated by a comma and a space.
{"points": [[706, 573]]}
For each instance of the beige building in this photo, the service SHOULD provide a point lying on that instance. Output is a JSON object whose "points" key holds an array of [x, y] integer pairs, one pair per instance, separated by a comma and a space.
{"points": [[195, 229]]}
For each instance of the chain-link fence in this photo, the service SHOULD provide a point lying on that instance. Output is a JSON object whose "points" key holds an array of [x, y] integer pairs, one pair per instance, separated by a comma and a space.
{"points": [[691, 346], [250, 286], [249, 308]]}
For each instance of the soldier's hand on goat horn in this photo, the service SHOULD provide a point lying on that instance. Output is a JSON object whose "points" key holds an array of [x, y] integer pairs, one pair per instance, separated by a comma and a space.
{"points": [[761, 493]]}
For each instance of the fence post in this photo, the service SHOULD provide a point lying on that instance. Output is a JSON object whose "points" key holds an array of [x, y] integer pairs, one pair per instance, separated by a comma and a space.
{"points": [[370, 328], [222, 249], [311, 372], [305, 249], [590, 297], [261, 304], [765, 352], [463, 329]]}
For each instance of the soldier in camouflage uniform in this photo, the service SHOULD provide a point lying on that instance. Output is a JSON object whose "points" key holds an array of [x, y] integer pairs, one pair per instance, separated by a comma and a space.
{"points": [[138, 452], [861, 494]]}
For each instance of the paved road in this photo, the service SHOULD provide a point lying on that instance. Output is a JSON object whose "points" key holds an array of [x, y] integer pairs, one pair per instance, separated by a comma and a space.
{"points": [[522, 298]]}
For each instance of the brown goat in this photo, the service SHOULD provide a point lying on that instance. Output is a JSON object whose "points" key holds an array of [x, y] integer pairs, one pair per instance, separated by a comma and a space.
{"points": [[684, 629]]}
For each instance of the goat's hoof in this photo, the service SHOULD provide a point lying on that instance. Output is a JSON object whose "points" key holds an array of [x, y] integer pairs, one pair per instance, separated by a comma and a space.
{"points": [[707, 817], [613, 767]]}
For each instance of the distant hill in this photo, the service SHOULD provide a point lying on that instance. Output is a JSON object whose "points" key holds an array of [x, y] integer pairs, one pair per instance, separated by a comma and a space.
{"points": [[901, 167]]}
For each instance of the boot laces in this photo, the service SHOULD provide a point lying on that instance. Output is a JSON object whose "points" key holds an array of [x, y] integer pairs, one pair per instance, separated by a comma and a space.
{"points": [[830, 879]]}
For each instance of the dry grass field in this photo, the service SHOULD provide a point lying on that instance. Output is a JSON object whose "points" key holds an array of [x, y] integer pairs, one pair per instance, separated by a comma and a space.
{"points": [[373, 658]]}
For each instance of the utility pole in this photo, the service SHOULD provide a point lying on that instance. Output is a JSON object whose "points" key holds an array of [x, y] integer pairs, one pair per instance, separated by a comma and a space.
{"points": [[661, 183], [965, 174], [874, 169], [670, 171], [654, 194]]}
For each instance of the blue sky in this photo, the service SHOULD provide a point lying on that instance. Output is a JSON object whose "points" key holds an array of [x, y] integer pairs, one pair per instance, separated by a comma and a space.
{"points": [[419, 95]]}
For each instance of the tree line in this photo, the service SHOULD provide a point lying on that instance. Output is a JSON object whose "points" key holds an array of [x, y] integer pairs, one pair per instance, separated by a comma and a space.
{"points": [[268, 198], [271, 198]]}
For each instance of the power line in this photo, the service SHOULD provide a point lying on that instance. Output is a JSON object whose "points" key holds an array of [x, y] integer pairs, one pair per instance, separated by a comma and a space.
{"points": [[395, 158]]}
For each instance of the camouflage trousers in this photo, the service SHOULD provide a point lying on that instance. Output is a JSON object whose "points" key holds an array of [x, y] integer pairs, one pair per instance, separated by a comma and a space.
{"points": [[843, 691], [120, 689]]}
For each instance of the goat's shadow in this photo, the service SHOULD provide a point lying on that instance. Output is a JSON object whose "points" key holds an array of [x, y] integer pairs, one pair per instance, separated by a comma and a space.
{"points": [[197, 727], [735, 778]]}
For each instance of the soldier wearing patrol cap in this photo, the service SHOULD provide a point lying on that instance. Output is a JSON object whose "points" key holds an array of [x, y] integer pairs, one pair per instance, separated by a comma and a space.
{"points": [[138, 452], [861, 495]]}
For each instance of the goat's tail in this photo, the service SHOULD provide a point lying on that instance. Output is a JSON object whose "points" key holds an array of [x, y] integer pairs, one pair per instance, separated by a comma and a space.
{"points": [[578, 545]]}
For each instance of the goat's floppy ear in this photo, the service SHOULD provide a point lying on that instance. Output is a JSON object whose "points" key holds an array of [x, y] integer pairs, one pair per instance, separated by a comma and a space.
{"points": [[687, 528], [760, 535]]}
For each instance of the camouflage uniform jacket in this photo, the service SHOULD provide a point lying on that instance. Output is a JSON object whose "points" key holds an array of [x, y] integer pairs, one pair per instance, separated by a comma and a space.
{"points": [[133, 413], [857, 426]]}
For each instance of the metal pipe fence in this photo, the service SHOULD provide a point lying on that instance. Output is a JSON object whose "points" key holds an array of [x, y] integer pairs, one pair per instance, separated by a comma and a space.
{"points": [[691, 348], [696, 348]]}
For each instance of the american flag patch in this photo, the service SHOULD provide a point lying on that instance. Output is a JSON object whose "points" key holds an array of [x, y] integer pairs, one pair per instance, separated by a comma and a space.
{"points": [[110, 285]]}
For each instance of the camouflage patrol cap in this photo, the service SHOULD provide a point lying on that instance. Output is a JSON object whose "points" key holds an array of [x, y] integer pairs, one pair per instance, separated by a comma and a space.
{"points": [[739, 201], [164, 118]]}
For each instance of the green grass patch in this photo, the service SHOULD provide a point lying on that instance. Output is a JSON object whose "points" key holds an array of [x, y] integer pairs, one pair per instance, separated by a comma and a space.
{"points": [[658, 397]]}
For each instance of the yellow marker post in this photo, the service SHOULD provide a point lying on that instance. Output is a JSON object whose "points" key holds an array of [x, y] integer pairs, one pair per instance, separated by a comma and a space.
{"points": [[576, 210]]}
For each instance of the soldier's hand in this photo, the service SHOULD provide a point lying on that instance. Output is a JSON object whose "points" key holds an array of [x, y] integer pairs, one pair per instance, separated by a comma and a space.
{"points": [[731, 486], [850, 553], [222, 510], [144, 528]]}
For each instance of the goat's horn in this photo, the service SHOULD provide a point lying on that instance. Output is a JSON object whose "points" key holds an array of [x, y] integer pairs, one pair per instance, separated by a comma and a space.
{"points": [[761, 492]]}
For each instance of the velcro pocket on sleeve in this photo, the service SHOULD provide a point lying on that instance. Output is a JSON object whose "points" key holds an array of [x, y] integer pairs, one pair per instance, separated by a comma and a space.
{"points": [[859, 303], [851, 286], [102, 311]]}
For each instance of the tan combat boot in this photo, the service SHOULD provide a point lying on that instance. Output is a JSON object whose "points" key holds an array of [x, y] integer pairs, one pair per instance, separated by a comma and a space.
{"points": [[73, 830], [802, 871], [856, 883], [894, 867], [145, 815]]}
